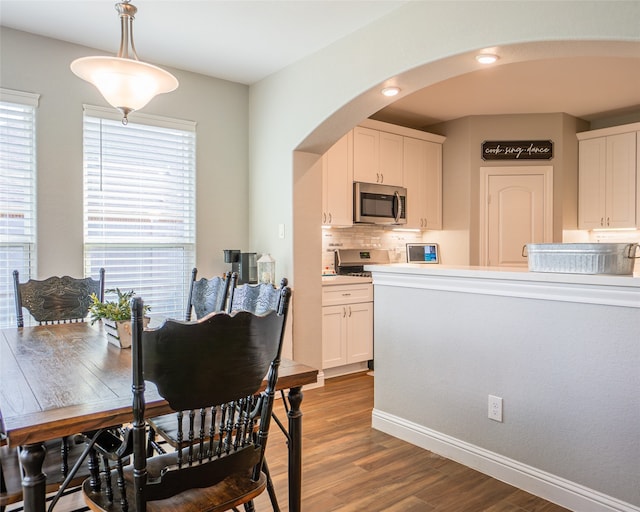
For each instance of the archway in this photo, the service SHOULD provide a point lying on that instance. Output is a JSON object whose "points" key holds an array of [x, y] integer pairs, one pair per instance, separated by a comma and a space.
{"points": [[307, 173]]}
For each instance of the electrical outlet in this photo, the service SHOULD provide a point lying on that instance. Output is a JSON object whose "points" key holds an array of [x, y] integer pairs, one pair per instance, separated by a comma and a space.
{"points": [[495, 408]]}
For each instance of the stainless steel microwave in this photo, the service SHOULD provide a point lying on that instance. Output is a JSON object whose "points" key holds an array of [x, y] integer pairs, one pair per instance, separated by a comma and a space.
{"points": [[379, 204]]}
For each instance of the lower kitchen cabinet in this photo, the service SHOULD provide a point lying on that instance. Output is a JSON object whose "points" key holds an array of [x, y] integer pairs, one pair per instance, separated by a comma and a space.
{"points": [[347, 325]]}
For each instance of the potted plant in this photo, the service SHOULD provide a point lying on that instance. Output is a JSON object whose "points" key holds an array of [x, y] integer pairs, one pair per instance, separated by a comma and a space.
{"points": [[116, 316]]}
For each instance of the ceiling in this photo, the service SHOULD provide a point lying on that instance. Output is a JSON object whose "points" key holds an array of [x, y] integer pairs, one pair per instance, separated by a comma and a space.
{"points": [[245, 41]]}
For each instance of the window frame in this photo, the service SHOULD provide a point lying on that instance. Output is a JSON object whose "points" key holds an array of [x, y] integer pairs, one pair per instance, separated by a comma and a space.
{"points": [[115, 248], [25, 167]]}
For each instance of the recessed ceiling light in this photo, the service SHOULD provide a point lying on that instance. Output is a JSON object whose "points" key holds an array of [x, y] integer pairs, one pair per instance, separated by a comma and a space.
{"points": [[390, 91], [486, 58]]}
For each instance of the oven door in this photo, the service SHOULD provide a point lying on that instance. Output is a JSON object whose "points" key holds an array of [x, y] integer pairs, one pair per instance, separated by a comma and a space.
{"points": [[379, 204]]}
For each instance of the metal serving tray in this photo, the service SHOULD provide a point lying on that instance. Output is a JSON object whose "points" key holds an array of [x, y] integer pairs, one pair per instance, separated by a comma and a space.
{"points": [[617, 259]]}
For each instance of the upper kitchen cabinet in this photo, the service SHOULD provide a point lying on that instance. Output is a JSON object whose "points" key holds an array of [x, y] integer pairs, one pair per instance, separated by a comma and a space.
{"points": [[422, 166], [608, 178], [337, 183], [377, 156]]}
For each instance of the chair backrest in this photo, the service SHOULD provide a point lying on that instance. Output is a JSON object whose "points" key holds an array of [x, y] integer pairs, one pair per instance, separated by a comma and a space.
{"points": [[213, 368], [207, 295], [56, 299], [256, 298]]}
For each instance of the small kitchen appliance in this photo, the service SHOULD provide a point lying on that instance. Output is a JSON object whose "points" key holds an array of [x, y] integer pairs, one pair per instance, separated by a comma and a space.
{"points": [[423, 253], [351, 262], [244, 263], [379, 204]]}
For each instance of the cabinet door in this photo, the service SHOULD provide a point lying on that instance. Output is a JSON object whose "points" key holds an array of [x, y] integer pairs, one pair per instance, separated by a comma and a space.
{"points": [[433, 186], [359, 332], [377, 156], [415, 169], [366, 143], [422, 166], [591, 183], [607, 182], [337, 183], [390, 157], [621, 181], [334, 336]]}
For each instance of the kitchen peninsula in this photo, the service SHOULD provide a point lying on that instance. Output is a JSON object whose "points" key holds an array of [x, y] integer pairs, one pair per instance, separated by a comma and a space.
{"points": [[562, 351]]}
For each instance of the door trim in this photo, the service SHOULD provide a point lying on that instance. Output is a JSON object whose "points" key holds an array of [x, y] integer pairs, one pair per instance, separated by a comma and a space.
{"points": [[485, 172]]}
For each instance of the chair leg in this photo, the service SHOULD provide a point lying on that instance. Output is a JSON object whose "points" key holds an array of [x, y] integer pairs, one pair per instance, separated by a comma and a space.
{"points": [[152, 444], [270, 488], [63, 486]]}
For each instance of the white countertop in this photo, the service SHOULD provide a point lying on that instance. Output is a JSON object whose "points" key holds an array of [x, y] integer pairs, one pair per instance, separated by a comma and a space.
{"points": [[507, 273], [335, 280], [511, 282]]}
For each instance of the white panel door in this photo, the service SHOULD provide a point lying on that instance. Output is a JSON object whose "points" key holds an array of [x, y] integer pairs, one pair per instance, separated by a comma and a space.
{"points": [[517, 210]]}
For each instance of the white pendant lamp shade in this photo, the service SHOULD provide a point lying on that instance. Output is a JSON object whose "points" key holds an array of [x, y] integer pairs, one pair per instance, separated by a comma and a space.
{"points": [[125, 82]]}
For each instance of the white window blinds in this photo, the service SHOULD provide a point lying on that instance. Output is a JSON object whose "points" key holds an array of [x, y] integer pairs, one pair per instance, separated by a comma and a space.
{"points": [[139, 207], [17, 195]]}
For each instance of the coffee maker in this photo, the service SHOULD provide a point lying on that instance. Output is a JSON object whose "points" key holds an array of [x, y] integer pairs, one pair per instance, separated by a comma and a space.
{"points": [[244, 263]]}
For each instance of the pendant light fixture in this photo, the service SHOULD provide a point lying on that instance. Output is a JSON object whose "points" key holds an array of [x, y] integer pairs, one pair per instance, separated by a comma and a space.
{"points": [[125, 82]]}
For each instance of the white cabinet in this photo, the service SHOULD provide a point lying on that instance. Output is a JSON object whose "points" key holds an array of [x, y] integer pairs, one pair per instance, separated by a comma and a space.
{"points": [[607, 180], [377, 156], [347, 324], [337, 183], [422, 169]]}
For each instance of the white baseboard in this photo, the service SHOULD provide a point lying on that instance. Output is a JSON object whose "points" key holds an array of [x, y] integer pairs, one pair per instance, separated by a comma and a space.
{"points": [[540, 483], [347, 369]]}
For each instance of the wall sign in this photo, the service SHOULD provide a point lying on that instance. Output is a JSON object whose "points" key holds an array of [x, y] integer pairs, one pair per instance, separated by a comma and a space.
{"points": [[517, 150]]}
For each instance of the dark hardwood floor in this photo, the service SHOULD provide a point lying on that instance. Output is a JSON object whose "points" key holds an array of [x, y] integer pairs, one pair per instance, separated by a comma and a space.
{"points": [[349, 467]]}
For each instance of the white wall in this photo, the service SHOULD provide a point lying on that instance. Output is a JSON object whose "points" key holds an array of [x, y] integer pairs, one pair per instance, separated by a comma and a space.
{"points": [[567, 371], [220, 108]]}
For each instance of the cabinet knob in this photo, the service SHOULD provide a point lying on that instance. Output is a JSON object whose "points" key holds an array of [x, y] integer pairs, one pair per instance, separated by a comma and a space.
{"points": [[330, 217], [324, 218], [607, 221], [349, 311], [344, 312], [346, 294]]}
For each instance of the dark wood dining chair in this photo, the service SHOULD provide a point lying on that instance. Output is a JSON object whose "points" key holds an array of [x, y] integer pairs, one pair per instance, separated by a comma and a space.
{"points": [[212, 368], [56, 299], [257, 298], [207, 295]]}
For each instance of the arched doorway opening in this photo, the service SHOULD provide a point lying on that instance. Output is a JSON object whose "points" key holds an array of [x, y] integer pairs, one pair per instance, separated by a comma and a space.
{"points": [[307, 172]]}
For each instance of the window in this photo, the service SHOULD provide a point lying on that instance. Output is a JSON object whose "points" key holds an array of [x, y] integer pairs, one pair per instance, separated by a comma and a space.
{"points": [[139, 206], [17, 195]]}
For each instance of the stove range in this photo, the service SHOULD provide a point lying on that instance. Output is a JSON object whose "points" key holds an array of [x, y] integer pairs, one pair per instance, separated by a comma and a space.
{"points": [[351, 262]]}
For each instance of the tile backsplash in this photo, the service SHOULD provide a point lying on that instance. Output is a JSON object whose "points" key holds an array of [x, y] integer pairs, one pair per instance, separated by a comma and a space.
{"points": [[366, 237], [393, 240]]}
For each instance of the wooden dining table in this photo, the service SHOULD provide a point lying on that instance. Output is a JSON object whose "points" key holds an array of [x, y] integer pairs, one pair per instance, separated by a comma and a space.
{"points": [[58, 380]]}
